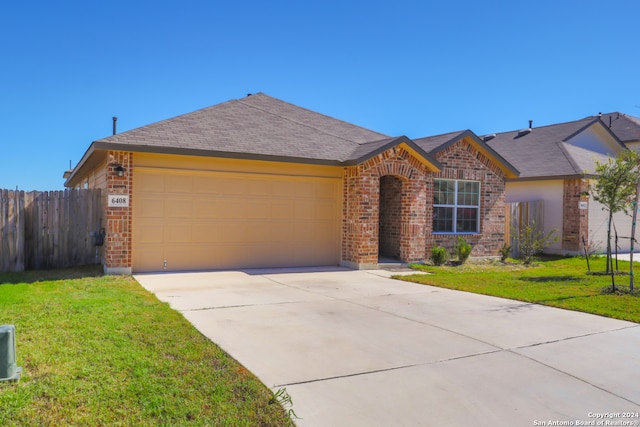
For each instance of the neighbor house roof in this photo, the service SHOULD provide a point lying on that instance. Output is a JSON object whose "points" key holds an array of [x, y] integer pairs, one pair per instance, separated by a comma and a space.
{"points": [[544, 152], [626, 127], [256, 127]]}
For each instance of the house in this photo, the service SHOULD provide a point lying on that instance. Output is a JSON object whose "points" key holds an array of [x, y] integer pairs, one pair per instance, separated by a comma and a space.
{"points": [[624, 126], [557, 164], [258, 182]]}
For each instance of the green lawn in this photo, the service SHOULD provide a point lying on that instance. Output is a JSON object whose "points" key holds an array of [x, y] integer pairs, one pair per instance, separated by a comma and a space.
{"points": [[101, 350], [556, 282]]}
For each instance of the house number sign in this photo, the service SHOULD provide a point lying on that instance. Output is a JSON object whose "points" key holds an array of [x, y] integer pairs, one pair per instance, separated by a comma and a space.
{"points": [[118, 200]]}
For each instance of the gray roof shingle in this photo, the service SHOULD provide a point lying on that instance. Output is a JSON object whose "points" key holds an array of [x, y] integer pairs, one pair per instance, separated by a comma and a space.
{"points": [[370, 149], [626, 127], [257, 125], [432, 143], [436, 143], [544, 152]]}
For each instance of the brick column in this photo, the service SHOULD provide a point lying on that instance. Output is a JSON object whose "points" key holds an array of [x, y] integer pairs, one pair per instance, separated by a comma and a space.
{"points": [[360, 219], [415, 217], [575, 223], [117, 255]]}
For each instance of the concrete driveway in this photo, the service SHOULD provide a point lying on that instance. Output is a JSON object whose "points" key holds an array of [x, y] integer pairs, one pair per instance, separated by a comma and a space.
{"points": [[356, 348]]}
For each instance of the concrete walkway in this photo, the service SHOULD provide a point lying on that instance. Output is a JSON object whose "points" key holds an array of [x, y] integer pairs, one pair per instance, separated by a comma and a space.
{"points": [[355, 348]]}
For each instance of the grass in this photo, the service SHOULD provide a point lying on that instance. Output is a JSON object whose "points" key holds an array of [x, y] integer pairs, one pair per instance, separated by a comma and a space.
{"points": [[101, 350], [556, 282]]}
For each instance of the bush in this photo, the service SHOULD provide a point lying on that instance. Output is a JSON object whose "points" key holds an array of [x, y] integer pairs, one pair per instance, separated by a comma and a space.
{"points": [[505, 251], [439, 255], [532, 241], [463, 250]]}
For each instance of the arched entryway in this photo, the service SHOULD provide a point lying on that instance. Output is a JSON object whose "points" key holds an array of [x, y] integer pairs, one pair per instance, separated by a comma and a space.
{"points": [[390, 218], [385, 208]]}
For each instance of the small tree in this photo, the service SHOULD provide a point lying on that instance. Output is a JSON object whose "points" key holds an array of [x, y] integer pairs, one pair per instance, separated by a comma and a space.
{"points": [[533, 241], [615, 189]]}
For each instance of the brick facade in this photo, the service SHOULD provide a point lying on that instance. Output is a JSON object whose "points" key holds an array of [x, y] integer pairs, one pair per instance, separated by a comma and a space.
{"points": [[464, 161], [387, 207], [118, 248], [575, 222], [361, 207]]}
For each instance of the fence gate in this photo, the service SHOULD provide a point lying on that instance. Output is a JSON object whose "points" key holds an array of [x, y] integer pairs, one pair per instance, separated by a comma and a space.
{"points": [[49, 229], [518, 216]]}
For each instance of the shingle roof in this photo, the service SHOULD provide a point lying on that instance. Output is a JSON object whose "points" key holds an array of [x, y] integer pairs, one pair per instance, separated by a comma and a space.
{"points": [[582, 160], [370, 149], [431, 143], [257, 125], [544, 153], [626, 127], [436, 143]]}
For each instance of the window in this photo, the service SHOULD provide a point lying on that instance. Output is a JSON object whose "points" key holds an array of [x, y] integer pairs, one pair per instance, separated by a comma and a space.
{"points": [[456, 206]]}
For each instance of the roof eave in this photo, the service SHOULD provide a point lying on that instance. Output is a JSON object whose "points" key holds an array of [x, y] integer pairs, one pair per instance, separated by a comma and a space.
{"points": [[70, 174], [412, 147], [97, 147], [552, 177]]}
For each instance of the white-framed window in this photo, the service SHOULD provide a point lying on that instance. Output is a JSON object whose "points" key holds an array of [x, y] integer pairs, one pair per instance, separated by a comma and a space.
{"points": [[456, 206]]}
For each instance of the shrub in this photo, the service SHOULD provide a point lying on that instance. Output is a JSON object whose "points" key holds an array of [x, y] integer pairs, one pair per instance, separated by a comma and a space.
{"points": [[439, 255], [463, 250], [532, 241], [505, 251]]}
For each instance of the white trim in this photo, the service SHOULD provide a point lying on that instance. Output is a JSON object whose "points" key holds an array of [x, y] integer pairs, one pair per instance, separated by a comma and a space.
{"points": [[455, 207]]}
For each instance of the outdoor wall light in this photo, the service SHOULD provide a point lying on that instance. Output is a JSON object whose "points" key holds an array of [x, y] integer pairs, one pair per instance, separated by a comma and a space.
{"points": [[120, 170]]}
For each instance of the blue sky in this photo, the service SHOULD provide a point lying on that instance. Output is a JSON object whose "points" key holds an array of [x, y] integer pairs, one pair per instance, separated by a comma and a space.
{"points": [[414, 68]]}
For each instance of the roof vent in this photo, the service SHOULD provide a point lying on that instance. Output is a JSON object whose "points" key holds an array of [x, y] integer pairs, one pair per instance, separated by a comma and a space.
{"points": [[488, 137], [523, 132]]}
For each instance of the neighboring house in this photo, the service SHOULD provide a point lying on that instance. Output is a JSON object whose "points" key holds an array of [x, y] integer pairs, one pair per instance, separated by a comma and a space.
{"points": [[626, 128], [557, 165], [258, 182]]}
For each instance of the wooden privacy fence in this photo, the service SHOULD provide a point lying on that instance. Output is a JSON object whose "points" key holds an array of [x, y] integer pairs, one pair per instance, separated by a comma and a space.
{"points": [[519, 215], [48, 229]]}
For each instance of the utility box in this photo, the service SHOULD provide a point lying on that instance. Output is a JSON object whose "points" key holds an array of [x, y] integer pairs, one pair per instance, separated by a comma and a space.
{"points": [[8, 369]]}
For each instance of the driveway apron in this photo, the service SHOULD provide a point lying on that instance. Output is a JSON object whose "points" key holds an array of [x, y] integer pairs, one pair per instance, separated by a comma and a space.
{"points": [[356, 348]]}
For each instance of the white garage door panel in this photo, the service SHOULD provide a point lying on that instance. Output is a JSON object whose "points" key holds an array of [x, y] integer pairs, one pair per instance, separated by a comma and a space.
{"points": [[222, 220]]}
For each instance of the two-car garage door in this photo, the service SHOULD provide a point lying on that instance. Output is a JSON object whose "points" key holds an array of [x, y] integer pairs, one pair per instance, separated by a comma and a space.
{"points": [[220, 220]]}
